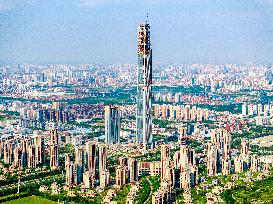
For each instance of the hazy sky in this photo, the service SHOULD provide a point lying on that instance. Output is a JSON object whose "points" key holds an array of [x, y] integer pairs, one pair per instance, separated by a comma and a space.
{"points": [[105, 31]]}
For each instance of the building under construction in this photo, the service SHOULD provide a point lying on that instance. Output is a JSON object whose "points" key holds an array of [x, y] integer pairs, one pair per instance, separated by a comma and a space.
{"points": [[144, 87]]}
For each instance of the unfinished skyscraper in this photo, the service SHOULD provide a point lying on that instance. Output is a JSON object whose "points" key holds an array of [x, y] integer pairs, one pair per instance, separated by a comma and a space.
{"points": [[144, 86]]}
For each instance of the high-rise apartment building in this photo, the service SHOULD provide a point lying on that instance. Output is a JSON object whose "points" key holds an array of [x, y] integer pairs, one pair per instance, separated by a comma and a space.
{"points": [[112, 125], [71, 171], [79, 162], [102, 157], [120, 175], [165, 160], [245, 153], [104, 179], [54, 149], [133, 169], [144, 86], [31, 156], [90, 158], [39, 149]]}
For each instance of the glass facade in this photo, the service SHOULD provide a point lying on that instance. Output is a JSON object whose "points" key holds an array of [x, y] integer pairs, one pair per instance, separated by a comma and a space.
{"points": [[144, 86]]}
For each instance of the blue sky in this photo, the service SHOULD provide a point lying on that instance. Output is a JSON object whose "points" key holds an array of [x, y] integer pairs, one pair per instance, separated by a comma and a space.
{"points": [[105, 31]]}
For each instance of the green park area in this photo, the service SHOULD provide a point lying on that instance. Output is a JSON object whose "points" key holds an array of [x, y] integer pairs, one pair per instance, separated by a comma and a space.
{"points": [[8, 115], [182, 89], [256, 192], [30, 200], [259, 191]]}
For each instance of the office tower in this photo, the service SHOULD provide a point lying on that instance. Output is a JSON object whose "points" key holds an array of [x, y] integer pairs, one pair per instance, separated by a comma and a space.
{"points": [[112, 125], [144, 87], [54, 149], [102, 157], [133, 169]]}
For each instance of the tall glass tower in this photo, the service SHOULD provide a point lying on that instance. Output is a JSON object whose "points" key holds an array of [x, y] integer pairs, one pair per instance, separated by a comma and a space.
{"points": [[112, 125], [144, 86]]}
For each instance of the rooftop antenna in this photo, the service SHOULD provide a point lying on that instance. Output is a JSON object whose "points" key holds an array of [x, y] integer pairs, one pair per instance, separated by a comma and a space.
{"points": [[147, 17]]}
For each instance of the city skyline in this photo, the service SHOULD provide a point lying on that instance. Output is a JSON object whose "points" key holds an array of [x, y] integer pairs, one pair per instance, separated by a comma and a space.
{"points": [[211, 31], [148, 131]]}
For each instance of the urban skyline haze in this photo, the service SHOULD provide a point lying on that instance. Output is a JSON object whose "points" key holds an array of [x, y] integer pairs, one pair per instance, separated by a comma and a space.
{"points": [[90, 31]]}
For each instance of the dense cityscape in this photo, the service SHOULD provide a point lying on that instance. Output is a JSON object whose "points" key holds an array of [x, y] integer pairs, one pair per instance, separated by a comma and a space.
{"points": [[136, 102], [136, 133]]}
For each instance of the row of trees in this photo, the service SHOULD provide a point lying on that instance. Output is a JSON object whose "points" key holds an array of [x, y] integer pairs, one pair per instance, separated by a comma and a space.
{"points": [[36, 175], [144, 192]]}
